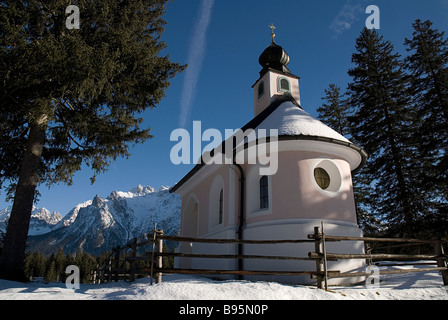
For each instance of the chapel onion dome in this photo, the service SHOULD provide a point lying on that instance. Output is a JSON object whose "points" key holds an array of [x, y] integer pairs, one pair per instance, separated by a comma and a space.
{"points": [[274, 57]]}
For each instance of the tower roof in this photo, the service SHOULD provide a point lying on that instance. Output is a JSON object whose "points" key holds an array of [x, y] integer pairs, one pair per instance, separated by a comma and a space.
{"points": [[274, 57]]}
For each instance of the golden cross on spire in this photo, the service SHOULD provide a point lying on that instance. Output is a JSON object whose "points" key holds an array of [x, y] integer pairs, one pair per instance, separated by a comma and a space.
{"points": [[273, 34]]}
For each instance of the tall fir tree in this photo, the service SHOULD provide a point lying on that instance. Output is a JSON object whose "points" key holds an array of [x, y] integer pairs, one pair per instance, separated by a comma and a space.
{"points": [[72, 96], [51, 275], [428, 68], [86, 263], [334, 111], [2, 239], [60, 264], [381, 125]]}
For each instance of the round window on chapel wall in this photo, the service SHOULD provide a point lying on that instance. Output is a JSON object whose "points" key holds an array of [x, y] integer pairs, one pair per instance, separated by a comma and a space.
{"points": [[327, 176], [322, 178]]}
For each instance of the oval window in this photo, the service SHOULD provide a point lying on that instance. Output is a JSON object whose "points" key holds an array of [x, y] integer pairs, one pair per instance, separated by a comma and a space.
{"points": [[322, 178]]}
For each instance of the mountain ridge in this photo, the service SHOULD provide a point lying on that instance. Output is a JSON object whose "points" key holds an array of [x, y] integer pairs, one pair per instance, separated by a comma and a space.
{"points": [[98, 225], [42, 220]]}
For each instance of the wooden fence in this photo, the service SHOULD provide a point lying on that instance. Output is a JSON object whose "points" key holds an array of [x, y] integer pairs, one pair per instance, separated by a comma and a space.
{"points": [[125, 263]]}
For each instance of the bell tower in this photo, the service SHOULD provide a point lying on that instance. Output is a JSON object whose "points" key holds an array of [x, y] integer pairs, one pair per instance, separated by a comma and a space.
{"points": [[275, 78]]}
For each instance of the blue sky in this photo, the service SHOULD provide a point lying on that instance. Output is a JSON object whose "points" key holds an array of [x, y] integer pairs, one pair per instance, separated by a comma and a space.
{"points": [[221, 41]]}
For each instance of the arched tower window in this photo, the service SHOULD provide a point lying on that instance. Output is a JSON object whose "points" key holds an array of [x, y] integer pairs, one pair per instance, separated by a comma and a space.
{"points": [[284, 85], [264, 193]]}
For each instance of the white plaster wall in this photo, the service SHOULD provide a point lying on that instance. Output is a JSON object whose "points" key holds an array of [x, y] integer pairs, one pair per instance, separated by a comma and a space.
{"points": [[294, 229], [299, 229]]}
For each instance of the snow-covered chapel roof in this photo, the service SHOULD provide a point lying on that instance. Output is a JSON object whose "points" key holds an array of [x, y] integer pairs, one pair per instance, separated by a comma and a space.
{"points": [[291, 120], [293, 123]]}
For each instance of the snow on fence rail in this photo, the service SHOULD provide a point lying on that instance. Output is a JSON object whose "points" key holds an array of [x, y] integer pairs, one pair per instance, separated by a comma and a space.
{"points": [[123, 261]]}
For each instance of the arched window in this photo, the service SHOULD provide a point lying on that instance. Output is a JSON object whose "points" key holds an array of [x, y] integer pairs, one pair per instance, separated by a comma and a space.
{"points": [[264, 193], [258, 192], [216, 203], [261, 89], [221, 207], [284, 85]]}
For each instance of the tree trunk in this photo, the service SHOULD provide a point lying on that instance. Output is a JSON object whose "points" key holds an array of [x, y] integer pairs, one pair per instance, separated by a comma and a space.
{"points": [[13, 254]]}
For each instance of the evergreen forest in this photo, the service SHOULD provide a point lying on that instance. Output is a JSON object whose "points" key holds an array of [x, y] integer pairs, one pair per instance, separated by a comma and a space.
{"points": [[396, 108]]}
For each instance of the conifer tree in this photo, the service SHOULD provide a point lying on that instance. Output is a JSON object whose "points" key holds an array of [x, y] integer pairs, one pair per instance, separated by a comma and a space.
{"points": [[334, 110], [51, 274], [72, 96], [60, 261], [335, 113], [2, 239], [35, 265], [428, 68], [381, 125], [86, 263]]}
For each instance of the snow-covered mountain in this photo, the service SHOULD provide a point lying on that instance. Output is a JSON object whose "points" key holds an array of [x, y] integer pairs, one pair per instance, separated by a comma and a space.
{"points": [[100, 224], [42, 220]]}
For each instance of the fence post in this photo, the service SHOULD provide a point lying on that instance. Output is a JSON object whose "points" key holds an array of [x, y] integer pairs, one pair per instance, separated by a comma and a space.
{"points": [[368, 250], [133, 258], [317, 249], [159, 256], [93, 274], [125, 263], [441, 262], [154, 238], [324, 249], [109, 267], [117, 263]]}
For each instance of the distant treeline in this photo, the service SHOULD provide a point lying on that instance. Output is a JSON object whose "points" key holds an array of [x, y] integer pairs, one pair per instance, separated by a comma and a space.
{"points": [[52, 268]]}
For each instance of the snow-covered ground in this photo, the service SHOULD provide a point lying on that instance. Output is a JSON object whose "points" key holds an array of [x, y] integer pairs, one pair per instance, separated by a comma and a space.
{"points": [[415, 286]]}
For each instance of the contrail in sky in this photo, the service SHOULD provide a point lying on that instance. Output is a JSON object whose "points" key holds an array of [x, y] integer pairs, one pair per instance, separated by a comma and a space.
{"points": [[195, 59], [351, 12]]}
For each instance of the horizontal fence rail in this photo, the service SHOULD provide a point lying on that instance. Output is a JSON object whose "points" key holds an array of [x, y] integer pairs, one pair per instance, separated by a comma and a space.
{"points": [[235, 256], [232, 241], [368, 239], [126, 263], [379, 256]]}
